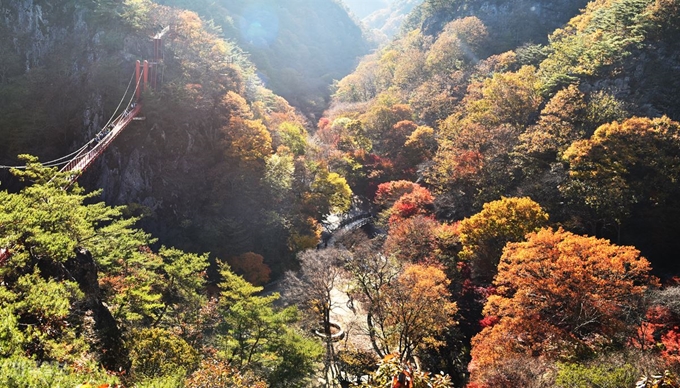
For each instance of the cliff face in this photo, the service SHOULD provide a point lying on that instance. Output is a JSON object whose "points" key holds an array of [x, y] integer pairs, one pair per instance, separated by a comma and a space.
{"points": [[33, 29], [64, 68], [41, 83], [63, 72]]}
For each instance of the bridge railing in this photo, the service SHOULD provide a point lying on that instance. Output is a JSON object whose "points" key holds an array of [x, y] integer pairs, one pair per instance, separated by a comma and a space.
{"points": [[82, 161]]}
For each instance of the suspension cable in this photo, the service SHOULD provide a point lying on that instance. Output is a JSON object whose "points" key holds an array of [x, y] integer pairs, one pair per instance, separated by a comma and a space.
{"points": [[61, 161], [122, 99]]}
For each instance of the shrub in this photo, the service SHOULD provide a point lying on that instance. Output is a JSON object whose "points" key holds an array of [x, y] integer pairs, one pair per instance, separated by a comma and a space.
{"points": [[21, 372], [604, 376], [157, 352]]}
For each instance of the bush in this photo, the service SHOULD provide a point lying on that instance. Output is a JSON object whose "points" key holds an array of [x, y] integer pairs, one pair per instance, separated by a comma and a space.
{"points": [[157, 352], [356, 363], [22, 372], [214, 373], [604, 376]]}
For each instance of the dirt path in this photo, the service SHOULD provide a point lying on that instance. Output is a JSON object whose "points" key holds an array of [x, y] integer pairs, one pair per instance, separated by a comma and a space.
{"points": [[351, 317]]}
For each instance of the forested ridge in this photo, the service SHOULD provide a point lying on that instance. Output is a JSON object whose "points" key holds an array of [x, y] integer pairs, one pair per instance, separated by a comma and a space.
{"points": [[519, 161]]}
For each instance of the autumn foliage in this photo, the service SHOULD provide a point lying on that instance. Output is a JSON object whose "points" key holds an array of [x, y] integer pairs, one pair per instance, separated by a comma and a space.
{"points": [[484, 234], [623, 165], [252, 267], [560, 295], [402, 200], [417, 202], [215, 373], [416, 309], [659, 331], [412, 239]]}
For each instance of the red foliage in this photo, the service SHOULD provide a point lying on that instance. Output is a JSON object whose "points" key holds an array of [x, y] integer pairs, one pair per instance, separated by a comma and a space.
{"points": [[324, 122], [485, 292], [671, 347], [468, 163], [405, 209], [661, 331], [488, 321], [329, 135], [388, 193], [418, 202]]}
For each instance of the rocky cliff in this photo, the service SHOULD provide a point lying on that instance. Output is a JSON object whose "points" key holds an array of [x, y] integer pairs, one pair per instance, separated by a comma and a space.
{"points": [[189, 167]]}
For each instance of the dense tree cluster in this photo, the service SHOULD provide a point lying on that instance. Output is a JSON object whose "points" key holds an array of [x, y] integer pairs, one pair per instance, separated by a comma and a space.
{"points": [[213, 133], [82, 288], [523, 199], [550, 173]]}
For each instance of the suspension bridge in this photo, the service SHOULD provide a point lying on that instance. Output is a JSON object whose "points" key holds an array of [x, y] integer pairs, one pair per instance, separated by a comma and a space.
{"points": [[128, 110], [87, 154]]}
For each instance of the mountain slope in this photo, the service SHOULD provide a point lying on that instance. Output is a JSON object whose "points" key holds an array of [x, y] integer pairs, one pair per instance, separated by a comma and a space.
{"points": [[499, 125], [298, 46], [219, 163], [388, 20]]}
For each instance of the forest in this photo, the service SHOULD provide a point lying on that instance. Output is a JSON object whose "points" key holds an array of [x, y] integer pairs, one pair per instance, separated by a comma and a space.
{"points": [[488, 199]]}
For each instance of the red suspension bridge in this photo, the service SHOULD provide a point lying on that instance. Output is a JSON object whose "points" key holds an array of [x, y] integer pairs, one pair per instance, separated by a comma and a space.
{"points": [[145, 73], [95, 147]]}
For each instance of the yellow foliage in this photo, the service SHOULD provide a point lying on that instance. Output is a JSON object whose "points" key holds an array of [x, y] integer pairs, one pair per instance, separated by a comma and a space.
{"points": [[484, 235]]}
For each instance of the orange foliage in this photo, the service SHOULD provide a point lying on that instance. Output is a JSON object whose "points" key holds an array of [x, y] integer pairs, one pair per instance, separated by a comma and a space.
{"points": [[252, 267], [419, 308], [233, 105], [412, 239], [323, 123], [560, 294], [249, 139], [388, 193], [214, 373]]}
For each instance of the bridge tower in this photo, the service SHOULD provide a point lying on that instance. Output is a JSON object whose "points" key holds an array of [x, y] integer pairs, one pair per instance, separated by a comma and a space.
{"points": [[150, 70]]}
